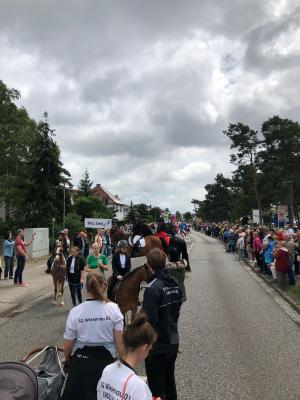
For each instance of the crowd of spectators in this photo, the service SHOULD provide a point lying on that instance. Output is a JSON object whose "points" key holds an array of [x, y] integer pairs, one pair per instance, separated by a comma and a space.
{"points": [[274, 252]]}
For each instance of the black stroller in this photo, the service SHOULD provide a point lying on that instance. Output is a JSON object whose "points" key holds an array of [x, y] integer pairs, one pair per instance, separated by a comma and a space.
{"points": [[31, 379]]}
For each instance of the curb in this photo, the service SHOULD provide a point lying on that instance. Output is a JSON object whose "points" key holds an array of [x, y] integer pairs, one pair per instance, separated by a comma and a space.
{"points": [[280, 292], [291, 308]]}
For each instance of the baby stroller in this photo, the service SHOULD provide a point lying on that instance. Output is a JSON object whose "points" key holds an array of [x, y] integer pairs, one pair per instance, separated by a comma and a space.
{"points": [[31, 379]]}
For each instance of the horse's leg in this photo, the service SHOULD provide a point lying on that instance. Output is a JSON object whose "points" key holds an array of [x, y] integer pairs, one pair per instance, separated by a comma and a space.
{"points": [[185, 256], [55, 291], [62, 303]]}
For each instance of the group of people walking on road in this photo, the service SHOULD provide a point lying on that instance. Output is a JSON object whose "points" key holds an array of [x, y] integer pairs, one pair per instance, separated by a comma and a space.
{"points": [[275, 253]]}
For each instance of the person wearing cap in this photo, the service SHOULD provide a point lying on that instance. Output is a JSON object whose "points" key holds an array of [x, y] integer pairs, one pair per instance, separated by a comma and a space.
{"points": [[121, 265]]}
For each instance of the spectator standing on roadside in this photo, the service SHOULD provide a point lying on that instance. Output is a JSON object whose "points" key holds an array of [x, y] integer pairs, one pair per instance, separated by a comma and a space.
{"points": [[75, 272], [79, 242], [8, 254], [240, 246], [282, 265], [257, 247], [290, 245], [21, 257], [96, 261], [86, 251], [162, 302]]}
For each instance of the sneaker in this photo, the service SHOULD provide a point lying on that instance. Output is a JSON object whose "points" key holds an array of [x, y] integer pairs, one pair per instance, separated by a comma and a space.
{"points": [[23, 284]]}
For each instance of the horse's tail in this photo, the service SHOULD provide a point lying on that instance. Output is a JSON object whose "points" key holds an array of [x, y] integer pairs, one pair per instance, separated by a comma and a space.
{"points": [[164, 244]]}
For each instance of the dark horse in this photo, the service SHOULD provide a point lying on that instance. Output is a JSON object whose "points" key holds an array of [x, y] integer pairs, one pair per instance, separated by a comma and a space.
{"points": [[181, 247]]}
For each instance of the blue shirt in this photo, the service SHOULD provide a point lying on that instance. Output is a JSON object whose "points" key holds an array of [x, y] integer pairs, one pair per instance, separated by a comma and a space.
{"points": [[8, 248]]}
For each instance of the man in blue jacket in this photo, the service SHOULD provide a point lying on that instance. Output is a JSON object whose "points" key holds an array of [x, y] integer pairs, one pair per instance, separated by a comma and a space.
{"points": [[162, 302]]}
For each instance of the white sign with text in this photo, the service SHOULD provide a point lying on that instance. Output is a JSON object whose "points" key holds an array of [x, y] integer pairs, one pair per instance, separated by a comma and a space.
{"points": [[97, 223]]}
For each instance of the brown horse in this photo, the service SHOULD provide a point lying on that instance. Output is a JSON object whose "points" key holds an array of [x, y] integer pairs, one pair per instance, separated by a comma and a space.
{"points": [[127, 291], [59, 272], [152, 242]]}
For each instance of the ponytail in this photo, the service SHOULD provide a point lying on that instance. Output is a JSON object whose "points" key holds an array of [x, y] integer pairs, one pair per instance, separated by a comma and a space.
{"points": [[96, 285], [138, 333]]}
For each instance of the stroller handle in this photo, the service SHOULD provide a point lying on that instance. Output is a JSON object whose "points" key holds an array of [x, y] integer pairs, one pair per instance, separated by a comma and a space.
{"points": [[37, 350]]}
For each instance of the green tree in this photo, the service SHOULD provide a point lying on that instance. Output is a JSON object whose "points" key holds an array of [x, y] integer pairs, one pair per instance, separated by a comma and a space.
{"points": [[91, 207], [17, 135], [154, 214], [178, 216], [73, 223], [130, 214], [43, 191], [85, 185], [187, 216], [280, 160], [218, 203], [246, 143]]}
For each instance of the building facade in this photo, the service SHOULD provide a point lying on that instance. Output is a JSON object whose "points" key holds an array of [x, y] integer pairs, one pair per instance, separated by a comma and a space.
{"points": [[111, 201]]}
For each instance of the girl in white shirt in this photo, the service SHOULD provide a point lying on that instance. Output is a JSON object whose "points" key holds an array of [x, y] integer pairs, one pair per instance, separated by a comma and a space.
{"points": [[92, 338], [119, 380]]}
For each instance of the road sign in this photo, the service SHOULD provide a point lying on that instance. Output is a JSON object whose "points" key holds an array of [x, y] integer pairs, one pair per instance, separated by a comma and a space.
{"points": [[97, 223], [255, 216]]}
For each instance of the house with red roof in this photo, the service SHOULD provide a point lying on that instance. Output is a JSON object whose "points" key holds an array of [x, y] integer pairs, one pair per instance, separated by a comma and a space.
{"points": [[111, 201]]}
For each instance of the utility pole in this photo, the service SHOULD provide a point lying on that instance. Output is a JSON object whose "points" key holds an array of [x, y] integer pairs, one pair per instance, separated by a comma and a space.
{"points": [[64, 206]]}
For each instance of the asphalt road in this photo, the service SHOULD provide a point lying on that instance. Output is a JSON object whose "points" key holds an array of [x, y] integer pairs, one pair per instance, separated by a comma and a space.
{"points": [[236, 342]]}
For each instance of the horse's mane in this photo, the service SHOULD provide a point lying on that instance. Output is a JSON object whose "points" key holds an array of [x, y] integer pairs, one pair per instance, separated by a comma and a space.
{"points": [[133, 272]]}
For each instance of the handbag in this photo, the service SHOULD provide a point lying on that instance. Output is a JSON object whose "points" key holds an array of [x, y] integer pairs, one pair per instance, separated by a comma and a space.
{"points": [[125, 385]]}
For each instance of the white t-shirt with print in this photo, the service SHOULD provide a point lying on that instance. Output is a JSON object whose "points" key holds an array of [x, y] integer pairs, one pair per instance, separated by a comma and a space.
{"points": [[94, 322], [113, 380]]}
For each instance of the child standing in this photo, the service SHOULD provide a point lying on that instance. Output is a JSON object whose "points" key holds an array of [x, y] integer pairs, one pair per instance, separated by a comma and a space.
{"points": [[75, 272]]}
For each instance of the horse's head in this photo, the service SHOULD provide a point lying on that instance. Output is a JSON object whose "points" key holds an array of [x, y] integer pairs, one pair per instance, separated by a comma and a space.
{"points": [[146, 272], [58, 252]]}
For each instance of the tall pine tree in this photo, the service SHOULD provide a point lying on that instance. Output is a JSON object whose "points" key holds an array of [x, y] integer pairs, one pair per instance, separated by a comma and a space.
{"points": [[85, 185], [43, 197]]}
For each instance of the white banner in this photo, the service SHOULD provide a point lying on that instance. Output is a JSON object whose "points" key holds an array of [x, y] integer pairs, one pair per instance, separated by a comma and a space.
{"points": [[255, 216], [97, 223]]}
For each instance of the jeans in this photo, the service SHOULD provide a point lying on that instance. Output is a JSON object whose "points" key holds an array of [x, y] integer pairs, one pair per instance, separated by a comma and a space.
{"points": [[19, 270], [9, 267], [160, 369], [75, 290]]}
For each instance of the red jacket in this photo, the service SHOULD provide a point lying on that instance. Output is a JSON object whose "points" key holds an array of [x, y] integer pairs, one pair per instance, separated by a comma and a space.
{"points": [[257, 244], [282, 260], [163, 235]]}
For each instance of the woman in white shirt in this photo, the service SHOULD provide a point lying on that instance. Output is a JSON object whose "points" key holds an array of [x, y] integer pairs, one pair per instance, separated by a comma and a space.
{"points": [[119, 380], [92, 339]]}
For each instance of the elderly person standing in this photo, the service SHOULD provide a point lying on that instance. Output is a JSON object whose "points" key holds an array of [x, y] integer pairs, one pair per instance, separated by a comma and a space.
{"points": [[96, 261], [281, 255]]}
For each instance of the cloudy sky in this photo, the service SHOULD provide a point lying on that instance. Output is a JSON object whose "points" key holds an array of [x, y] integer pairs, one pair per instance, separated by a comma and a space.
{"points": [[139, 91]]}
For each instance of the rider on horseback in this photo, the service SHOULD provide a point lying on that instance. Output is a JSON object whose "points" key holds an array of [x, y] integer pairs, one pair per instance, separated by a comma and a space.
{"points": [[139, 231], [121, 265]]}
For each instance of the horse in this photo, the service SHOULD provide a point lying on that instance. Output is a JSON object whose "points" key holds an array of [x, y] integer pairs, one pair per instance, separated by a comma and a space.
{"points": [[152, 242], [128, 289], [180, 245], [59, 273]]}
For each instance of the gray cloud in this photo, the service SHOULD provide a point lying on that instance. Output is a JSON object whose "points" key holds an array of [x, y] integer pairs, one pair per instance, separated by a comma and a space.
{"points": [[139, 92]]}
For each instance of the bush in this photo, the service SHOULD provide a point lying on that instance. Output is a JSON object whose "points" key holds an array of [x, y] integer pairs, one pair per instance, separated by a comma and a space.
{"points": [[73, 223]]}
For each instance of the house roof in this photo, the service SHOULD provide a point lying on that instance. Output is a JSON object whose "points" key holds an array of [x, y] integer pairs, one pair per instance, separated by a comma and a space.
{"points": [[112, 198]]}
